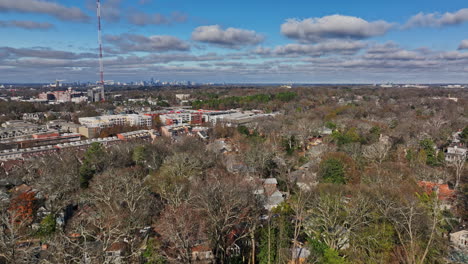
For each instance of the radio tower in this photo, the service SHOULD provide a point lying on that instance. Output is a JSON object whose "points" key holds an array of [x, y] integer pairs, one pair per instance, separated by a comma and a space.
{"points": [[101, 67]]}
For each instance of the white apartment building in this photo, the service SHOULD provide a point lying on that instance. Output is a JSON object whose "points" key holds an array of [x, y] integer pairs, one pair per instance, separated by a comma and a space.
{"points": [[116, 120], [178, 118]]}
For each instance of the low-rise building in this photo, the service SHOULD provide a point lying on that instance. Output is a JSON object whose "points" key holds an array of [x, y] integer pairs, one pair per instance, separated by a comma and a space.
{"points": [[139, 134], [68, 95], [117, 120]]}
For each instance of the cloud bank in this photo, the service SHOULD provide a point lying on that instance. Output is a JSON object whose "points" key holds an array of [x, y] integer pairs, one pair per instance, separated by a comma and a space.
{"points": [[437, 19]]}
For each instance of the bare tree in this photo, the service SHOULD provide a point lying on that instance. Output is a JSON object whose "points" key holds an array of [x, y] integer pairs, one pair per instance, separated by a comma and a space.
{"points": [[13, 229], [415, 225], [181, 228], [459, 166], [119, 205], [230, 209], [299, 206], [333, 218], [377, 153]]}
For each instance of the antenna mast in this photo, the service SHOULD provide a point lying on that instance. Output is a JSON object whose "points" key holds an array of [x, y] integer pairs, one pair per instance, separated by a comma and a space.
{"points": [[101, 66]]}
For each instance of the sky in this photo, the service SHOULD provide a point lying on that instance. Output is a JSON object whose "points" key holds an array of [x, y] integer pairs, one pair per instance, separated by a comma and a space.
{"points": [[256, 41]]}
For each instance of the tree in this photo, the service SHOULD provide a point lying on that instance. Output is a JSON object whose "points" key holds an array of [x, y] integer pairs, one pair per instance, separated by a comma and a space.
{"points": [[377, 153], [332, 170], [47, 226], [416, 223], [333, 218], [299, 207], [92, 163], [139, 155], [181, 228], [428, 146], [230, 209], [459, 166], [275, 235], [58, 177], [331, 256], [119, 204], [172, 181], [15, 221]]}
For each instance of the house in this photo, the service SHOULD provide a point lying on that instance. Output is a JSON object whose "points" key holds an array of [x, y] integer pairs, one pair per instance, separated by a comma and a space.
{"points": [[304, 177], [116, 253], [460, 239], [220, 146], [443, 192], [456, 152], [269, 190], [202, 254]]}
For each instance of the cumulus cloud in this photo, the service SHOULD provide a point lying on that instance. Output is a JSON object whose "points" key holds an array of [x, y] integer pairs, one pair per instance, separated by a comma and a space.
{"points": [[397, 55], [333, 27], [230, 37], [337, 47], [392, 51], [437, 19], [142, 19], [43, 7], [325, 48], [454, 55], [157, 43], [30, 25], [463, 45]]}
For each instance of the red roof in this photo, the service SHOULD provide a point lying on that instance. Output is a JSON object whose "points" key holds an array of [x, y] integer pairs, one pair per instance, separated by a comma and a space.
{"points": [[443, 191]]}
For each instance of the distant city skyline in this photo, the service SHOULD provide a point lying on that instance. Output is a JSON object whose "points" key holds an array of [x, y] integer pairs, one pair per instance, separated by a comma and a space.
{"points": [[296, 41]]}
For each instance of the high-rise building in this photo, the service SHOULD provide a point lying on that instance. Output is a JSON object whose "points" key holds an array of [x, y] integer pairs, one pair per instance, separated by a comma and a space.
{"points": [[96, 94]]}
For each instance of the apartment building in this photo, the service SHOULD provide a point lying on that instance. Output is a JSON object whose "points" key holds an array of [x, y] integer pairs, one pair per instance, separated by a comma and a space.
{"points": [[116, 120]]}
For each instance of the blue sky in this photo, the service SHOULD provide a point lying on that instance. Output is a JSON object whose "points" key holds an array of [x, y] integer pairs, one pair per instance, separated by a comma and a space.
{"points": [[332, 41]]}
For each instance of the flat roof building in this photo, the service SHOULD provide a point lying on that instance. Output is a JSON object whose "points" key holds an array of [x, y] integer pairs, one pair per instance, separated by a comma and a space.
{"points": [[116, 120]]}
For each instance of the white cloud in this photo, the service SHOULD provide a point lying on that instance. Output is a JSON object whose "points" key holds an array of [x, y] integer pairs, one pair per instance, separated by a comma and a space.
{"points": [[463, 45], [43, 7], [437, 19], [325, 48], [230, 37], [333, 27]]}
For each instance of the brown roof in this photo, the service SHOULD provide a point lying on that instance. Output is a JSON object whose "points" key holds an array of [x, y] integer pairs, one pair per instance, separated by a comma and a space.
{"points": [[118, 246], [201, 248]]}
